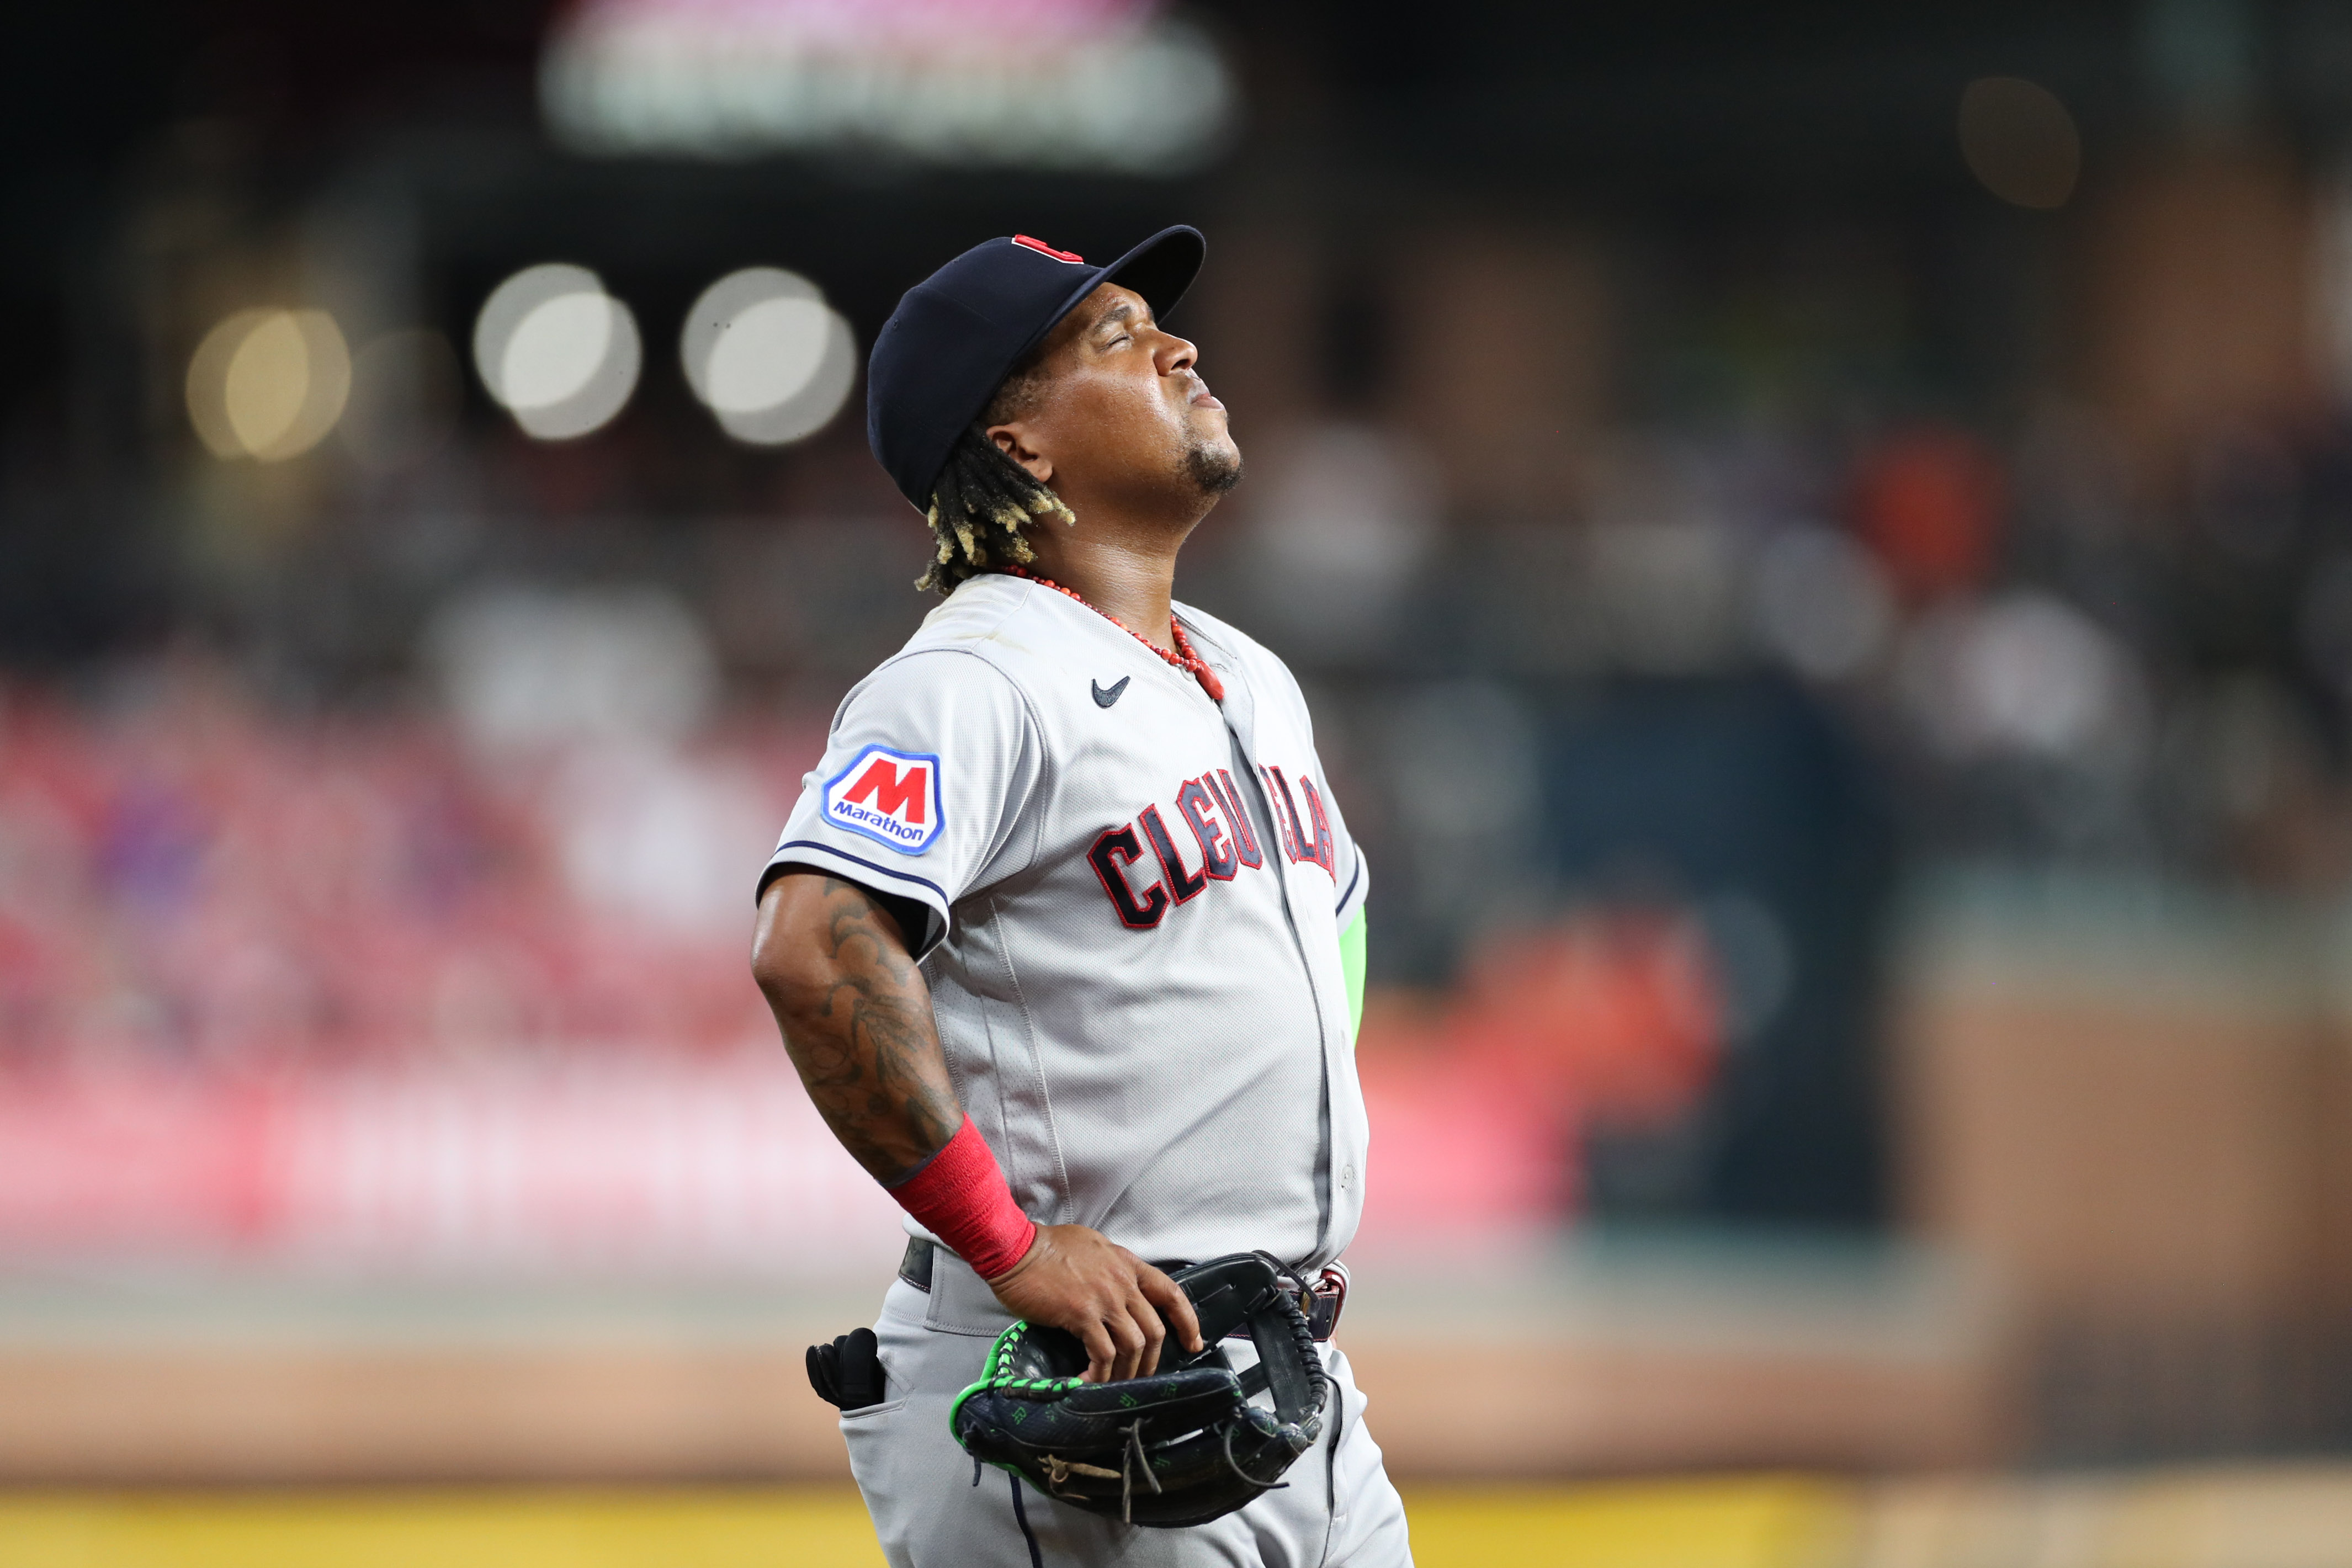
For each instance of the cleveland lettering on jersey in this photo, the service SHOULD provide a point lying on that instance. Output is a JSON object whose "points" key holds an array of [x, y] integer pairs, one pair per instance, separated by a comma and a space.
{"points": [[1311, 842], [1196, 806], [1222, 844], [1187, 885], [1245, 835], [1116, 849]]}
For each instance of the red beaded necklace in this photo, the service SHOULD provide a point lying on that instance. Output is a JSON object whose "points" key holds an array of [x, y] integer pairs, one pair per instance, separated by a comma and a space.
{"points": [[1184, 658]]}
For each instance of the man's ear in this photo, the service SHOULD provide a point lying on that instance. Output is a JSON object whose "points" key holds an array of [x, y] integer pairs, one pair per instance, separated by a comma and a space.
{"points": [[1012, 440]]}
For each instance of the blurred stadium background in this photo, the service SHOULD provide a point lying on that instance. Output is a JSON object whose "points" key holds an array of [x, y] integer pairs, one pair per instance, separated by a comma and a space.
{"points": [[1820, 536]]}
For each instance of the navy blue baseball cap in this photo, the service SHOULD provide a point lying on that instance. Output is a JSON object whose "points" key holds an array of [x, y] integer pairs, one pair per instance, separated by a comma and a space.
{"points": [[955, 336]]}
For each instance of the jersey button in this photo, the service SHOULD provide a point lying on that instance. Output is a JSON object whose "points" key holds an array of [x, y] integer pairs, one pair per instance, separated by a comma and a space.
{"points": [[1346, 1176]]}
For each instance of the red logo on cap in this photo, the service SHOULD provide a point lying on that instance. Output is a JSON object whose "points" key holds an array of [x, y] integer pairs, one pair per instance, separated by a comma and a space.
{"points": [[1042, 248]]}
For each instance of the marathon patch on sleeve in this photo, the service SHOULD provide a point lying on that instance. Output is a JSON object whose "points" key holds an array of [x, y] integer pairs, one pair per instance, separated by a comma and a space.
{"points": [[891, 797]]}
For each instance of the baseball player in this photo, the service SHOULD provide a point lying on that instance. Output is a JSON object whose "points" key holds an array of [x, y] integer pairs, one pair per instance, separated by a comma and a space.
{"points": [[1064, 934]]}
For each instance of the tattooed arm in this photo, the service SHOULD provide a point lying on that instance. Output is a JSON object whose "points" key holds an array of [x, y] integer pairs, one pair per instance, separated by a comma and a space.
{"points": [[856, 1019]]}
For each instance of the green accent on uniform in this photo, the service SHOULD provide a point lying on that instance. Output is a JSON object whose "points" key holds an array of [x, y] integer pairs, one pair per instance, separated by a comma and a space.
{"points": [[1351, 964]]}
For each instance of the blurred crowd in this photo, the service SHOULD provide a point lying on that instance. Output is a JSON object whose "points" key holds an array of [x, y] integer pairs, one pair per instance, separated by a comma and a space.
{"points": [[187, 879], [2048, 655]]}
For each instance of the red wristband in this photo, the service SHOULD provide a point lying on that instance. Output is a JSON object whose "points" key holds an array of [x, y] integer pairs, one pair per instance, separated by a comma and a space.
{"points": [[961, 1197]]}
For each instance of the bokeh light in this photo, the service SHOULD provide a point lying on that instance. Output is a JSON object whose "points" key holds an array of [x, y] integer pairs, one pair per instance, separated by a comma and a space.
{"points": [[2021, 141], [269, 383], [1822, 603], [556, 350], [404, 401], [767, 356], [1095, 84], [2026, 674]]}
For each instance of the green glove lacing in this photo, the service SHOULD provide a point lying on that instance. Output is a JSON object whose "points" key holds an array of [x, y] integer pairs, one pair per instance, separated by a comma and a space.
{"points": [[993, 1378]]}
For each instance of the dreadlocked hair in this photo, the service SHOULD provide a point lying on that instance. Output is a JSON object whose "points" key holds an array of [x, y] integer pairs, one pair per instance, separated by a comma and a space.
{"points": [[980, 504]]}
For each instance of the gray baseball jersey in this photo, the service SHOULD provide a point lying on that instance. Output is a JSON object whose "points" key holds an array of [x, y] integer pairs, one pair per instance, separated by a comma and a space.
{"points": [[1134, 899]]}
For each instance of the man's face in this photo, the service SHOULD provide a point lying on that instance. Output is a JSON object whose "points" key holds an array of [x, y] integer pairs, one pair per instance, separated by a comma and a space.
{"points": [[1120, 408]]}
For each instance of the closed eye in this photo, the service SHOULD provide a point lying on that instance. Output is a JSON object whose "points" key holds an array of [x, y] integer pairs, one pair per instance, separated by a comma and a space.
{"points": [[1121, 318]]}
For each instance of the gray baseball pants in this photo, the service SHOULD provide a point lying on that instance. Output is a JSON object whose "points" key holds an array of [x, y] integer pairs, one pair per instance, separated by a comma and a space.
{"points": [[1339, 1510]]}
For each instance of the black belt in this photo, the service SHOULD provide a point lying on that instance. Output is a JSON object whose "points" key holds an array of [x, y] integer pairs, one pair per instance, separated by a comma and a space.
{"points": [[915, 1268], [1326, 1296]]}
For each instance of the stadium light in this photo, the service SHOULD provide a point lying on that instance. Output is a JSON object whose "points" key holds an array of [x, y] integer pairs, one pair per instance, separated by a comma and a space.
{"points": [[767, 356], [556, 351], [269, 383]]}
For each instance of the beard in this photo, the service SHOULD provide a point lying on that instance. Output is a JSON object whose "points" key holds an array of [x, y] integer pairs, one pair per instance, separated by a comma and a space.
{"points": [[1212, 469]]}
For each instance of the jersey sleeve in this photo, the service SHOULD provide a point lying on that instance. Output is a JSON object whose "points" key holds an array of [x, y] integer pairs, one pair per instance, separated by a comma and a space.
{"points": [[923, 791]]}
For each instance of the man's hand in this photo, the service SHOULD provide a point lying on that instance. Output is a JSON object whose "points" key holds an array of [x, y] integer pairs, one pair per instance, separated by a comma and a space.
{"points": [[1081, 1281]]}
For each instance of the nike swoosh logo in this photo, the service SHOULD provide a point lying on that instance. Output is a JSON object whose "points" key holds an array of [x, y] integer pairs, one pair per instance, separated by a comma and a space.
{"points": [[1105, 698]]}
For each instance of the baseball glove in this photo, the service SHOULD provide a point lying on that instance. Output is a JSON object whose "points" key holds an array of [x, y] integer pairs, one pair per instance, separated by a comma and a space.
{"points": [[1183, 1447]]}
